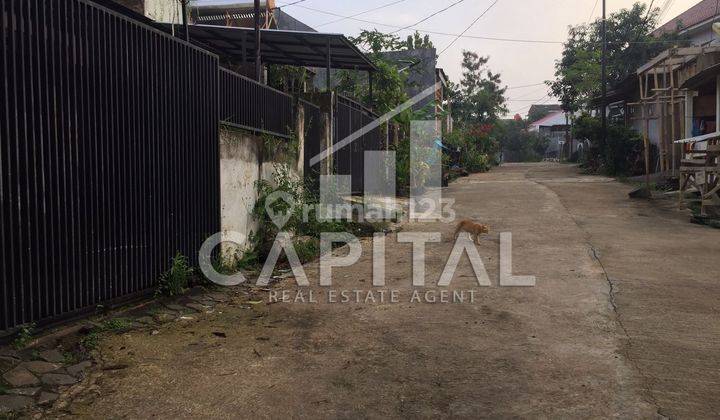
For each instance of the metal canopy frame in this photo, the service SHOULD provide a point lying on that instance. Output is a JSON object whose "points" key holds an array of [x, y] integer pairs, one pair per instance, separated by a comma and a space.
{"points": [[295, 48]]}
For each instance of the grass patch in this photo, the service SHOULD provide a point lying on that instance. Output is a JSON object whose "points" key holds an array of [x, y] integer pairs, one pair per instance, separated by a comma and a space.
{"points": [[175, 281], [91, 340]]}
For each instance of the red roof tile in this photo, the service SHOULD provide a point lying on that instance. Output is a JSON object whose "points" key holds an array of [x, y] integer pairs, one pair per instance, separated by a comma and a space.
{"points": [[701, 12]]}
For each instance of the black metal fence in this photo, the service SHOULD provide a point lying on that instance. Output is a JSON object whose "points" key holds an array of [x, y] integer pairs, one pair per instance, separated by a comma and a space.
{"points": [[314, 128], [350, 116], [108, 156], [247, 104]]}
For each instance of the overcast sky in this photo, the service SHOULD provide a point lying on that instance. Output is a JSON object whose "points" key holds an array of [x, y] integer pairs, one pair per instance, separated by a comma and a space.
{"points": [[519, 63]]}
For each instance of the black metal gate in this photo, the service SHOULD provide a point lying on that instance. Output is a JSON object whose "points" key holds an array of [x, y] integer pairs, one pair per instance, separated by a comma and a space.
{"points": [[108, 156], [350, 116]]}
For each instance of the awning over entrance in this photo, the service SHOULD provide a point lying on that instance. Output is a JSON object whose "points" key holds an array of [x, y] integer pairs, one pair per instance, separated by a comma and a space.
{"points": [[708, 75], [309, 49]]}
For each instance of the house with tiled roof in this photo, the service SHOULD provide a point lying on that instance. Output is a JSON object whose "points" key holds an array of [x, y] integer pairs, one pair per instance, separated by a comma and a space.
{"points": [[696, 23]]}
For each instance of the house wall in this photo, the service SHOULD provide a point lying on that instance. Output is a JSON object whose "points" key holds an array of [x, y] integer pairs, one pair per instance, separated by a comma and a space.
{"points": [[240, 155], [167, 11], [243, 162]]}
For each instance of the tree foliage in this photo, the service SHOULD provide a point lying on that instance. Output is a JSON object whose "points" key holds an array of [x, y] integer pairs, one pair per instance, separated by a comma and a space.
{"points": [[479, 99], [629, 45], [416, 41], [520, 145]]}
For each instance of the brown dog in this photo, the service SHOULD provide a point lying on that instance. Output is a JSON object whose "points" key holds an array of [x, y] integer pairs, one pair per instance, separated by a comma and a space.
{"points": [[474, 229]]}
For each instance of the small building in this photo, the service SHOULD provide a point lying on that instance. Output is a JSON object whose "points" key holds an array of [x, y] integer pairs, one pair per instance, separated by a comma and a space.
{"points": [[555, 127], [420, 64]]}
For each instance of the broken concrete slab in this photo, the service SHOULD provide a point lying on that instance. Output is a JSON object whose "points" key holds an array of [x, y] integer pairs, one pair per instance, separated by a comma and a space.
{"points": [[164, 317], [80, 368], [197, 307], [39, 367], [9, 352], [52, 356], [175, 307], [7, 363], [28, 392], [58, 379], [47, 398], [218, 297], [20, 377], [10, 403]]}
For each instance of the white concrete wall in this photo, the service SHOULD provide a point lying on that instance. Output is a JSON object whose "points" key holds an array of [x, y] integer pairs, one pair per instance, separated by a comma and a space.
{"points": [[166, 11], [239, 171], [240, 168]]}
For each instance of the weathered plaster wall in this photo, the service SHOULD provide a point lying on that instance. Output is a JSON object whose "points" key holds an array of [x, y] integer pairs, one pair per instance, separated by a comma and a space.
{"points": [[239, 171], [242, 163]]}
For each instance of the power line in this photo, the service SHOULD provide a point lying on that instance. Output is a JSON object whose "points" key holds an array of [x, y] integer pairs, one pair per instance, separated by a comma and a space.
{"points": [[468, 27], [290, 4], [361, 13], [592, 12], [428, 17], [484, 38], [524, 86], [531, 93]]}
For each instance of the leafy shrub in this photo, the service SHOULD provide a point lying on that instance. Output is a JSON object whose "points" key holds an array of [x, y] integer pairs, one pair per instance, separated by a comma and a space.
{"points": [[174, 281], [24, 336], [623, 153]]}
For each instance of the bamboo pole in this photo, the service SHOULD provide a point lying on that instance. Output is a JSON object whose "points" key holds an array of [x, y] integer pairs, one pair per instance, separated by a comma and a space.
{"points": [[646, 143], [672, 124]]}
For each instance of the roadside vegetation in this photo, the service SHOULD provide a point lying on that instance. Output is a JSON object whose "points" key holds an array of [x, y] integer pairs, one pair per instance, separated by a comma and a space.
{"points": [[577, 82]]}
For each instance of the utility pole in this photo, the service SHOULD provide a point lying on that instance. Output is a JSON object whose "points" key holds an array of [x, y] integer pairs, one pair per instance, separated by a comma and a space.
{"points": [[603, 81], [258, 57]]}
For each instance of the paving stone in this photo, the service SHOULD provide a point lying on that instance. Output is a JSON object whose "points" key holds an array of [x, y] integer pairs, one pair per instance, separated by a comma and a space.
{"points": [[175, 307], [219, 297], [20, 377], [28, 392], [52, 356], [9, 352], [147, 320], [198, 307], [39, 367], [164, 317], [7, 363], [13, 402], [57, 379], [210, 303], [80, 368], [47, 397]]}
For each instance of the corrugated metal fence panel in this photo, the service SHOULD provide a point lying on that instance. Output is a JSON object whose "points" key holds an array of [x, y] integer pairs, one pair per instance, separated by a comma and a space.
{"points": [[108, 156], [247, 104]]}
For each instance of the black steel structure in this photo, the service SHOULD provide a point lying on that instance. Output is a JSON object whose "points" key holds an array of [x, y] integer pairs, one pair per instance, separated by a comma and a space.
{"points": [[348, 117], [295, 48], [247, 104], [108, 156]]}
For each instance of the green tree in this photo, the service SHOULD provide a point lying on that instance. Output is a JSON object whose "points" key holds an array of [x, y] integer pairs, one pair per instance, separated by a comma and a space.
{"points": [[416, 41], [388, 81], [479, 99], [629, 45]]}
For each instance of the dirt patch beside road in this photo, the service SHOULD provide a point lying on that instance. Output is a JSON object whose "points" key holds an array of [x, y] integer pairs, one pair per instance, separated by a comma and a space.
{"points": [[554, 350]]}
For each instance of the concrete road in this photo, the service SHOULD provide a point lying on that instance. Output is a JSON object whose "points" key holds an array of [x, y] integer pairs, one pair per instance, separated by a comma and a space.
{"points": [[623, 322]]}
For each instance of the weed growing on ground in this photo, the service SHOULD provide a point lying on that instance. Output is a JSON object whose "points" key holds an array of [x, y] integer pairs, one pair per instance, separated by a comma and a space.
{"points": [[91, 340], [25, 336], [174, 281]]}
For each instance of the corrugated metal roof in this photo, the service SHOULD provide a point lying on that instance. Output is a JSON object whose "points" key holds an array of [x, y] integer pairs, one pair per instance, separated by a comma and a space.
{"points": [[282, 47]]}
